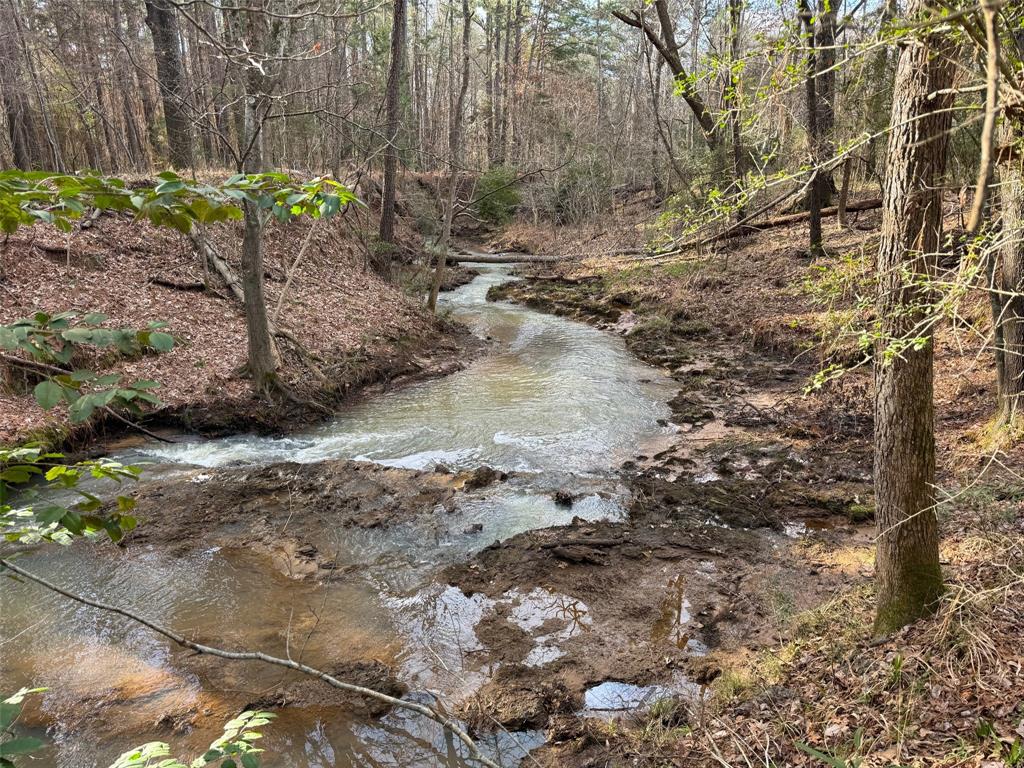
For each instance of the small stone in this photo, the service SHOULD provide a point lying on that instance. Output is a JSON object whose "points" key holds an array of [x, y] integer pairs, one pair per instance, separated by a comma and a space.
{"points": [[474, 528], [562, 498]]}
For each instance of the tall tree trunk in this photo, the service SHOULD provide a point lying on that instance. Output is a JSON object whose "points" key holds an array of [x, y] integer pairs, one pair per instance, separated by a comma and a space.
{"points": [[825, 90], [738, 164], [1008, 307], [816, 189], [392, 97], [170, 73], [909, 579], [455, 156]]}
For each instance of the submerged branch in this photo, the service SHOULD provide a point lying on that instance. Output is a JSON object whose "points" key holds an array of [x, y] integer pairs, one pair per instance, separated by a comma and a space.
{"points": [[439, 718]]}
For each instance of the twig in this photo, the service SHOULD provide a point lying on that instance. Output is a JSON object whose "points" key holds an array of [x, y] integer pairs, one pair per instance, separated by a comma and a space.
{"points": [[290, 274], [37, 366], [439, 718], [988, 129]]}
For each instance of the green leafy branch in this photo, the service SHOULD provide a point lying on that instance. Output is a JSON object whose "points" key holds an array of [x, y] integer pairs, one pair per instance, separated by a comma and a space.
{"points": [[28, 197], [233, 748], [236, 742], [20, 470], [51, 341]]}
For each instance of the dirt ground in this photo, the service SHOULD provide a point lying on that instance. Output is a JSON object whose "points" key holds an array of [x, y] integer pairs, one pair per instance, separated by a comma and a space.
{"points": [[759, 516]]}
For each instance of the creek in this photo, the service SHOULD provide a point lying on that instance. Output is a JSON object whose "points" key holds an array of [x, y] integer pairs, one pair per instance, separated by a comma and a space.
{"points": [[556, 403]]}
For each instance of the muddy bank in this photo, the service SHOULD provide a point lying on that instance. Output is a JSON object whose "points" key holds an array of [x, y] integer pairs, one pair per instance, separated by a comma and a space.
{"points": [[714, 555], [288, 510]]}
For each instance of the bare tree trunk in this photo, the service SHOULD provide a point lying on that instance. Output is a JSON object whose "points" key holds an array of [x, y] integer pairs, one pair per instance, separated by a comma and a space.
{"points": [[825, 90], [909, 579], [844, 192], [455, 155], [1008, 304], [738, 164], [392, 107], [163, 26], [815, 191]]}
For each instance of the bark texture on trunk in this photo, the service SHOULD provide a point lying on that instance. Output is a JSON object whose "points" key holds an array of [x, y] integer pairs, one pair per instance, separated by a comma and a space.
{"points": [[170, 73], [909, 579], [1008, 306], [391, 108], [816, 189]]}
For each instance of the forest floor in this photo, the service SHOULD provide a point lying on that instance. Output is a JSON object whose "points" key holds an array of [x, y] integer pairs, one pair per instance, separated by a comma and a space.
{"points": [[744, 575], [355, 328], [741, 582]]}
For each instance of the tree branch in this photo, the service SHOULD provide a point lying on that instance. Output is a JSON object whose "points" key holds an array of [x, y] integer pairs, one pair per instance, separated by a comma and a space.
{"points": [[443, 720]]}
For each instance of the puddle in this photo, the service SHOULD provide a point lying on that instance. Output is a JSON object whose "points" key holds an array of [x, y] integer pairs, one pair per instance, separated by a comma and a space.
{"points": [[611, 697], [672, 627]]}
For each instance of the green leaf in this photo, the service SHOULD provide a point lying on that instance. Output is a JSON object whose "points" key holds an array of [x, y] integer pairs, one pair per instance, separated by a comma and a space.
{"points": [[21, 746], [50, 515], [162, 342], [47, 393], [81, 409], [8, 714], [77, 335], [249, 760]]}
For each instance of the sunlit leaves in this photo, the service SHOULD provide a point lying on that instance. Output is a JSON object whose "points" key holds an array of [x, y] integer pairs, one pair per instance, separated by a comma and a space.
{"points": [[59, 199], [26, 471], [234, 748]]}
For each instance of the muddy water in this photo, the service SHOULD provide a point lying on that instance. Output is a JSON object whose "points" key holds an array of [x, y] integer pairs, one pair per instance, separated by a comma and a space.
{"points": [[557, 401]]}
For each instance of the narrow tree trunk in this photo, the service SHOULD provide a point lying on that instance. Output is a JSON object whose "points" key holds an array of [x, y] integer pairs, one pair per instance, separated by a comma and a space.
{"points": [[815, 191], [170, 73], [738, 165], [1008, 308], [391, 107], [909, 579], [455, 154], [825, 90], [844, 192]]}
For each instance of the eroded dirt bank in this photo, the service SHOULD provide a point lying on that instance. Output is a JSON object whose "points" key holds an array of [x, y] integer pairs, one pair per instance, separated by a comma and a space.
{"points": [[746, 566], [348, 327]]}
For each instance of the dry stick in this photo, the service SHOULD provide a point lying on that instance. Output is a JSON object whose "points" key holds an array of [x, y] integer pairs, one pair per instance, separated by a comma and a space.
{"points": [[292, 271], [437, 717], [988, 130], [210, 254]]}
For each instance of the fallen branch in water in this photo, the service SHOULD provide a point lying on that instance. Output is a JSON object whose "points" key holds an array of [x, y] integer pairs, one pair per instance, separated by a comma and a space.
{"points": [[439, 718], [503, 258]]}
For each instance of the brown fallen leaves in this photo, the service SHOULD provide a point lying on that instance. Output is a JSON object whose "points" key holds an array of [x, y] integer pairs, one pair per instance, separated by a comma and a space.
{"points": [[342, 312]]}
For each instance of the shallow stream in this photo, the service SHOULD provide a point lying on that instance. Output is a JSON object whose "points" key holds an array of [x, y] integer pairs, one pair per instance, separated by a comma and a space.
{"points": [[560, 404]]}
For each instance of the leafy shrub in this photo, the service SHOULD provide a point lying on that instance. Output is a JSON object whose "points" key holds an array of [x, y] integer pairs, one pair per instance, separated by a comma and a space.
{"points": [[497, 196]]}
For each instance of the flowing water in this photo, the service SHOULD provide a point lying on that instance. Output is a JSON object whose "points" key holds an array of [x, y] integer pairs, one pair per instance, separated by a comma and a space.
{"points": [[557, 402]]}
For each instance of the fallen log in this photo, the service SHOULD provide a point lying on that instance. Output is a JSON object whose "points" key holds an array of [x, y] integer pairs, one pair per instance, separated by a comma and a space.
{"points": [[177, 286], [750, 228], [792, 218], [503, 258]]}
